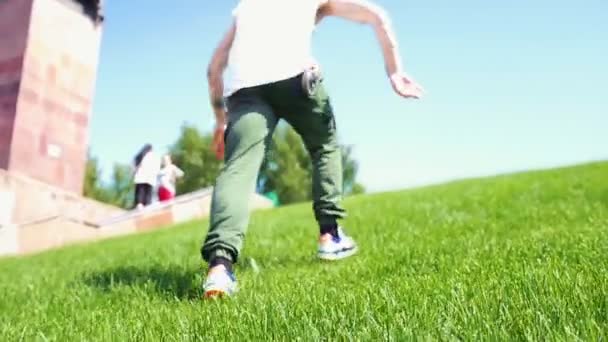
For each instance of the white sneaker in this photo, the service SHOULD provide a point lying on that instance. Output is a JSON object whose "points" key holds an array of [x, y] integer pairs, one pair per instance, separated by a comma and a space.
{"points": [[336, 248], [219, 283]]}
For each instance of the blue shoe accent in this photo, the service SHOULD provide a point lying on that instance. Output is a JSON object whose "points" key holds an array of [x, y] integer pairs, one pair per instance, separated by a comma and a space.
{"points": [[336, 247]]}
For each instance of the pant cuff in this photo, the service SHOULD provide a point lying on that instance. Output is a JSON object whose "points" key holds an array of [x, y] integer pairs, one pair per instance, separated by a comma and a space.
{"points": [[218, 253], [322, 220]]}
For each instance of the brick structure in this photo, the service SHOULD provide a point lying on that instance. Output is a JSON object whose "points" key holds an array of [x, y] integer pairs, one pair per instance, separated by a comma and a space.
{"points": [[48, 64]]}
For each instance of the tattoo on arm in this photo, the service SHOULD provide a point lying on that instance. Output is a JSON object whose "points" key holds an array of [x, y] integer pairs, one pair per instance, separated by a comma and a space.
{"points": [[217, 102]]}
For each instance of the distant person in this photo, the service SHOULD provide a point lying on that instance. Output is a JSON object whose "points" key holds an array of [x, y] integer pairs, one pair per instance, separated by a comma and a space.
{"points": [[267, 50], [147, 167], [167, 178]]}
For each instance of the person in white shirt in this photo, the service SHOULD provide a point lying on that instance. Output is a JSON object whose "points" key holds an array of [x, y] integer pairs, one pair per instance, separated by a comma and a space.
{"points": [[271, 76], [146, 167], [167, 178]]}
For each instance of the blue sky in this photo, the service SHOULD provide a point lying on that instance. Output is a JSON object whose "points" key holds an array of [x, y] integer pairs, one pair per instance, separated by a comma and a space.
{"points": [[510, 86]]}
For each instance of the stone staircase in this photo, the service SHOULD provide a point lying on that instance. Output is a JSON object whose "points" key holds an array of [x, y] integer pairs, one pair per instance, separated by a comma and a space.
{"points": [[44, 217]]}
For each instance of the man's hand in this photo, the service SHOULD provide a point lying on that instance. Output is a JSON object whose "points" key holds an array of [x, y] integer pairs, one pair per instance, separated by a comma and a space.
{"points": [[406, 86], [218, 140]]}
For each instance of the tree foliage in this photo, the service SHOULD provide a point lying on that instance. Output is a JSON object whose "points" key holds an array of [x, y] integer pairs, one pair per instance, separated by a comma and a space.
{"points": [[118, 192], [192, 153], [121, 187], [286, 171]]}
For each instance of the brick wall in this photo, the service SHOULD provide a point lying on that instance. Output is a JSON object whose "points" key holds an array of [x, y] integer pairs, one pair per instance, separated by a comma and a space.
{"points": [[56, 79], [14, 23]]}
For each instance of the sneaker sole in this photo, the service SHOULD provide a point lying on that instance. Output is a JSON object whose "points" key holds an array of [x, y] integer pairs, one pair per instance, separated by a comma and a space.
{"points": [[216, 294], [337, 256]]}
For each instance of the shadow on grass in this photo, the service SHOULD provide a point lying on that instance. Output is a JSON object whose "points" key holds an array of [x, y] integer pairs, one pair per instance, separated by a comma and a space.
{"points": [[163, 281], [178, 283]]}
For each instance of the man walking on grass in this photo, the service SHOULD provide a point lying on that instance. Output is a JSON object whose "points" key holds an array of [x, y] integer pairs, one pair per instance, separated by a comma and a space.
{"points": [[267, 50]]}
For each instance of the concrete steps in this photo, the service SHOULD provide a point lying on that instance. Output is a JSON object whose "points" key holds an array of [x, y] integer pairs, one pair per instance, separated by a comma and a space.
{"points": [[73, 219]]}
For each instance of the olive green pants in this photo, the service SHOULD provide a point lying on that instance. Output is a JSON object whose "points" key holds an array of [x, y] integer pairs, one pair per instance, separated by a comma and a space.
{"points": [[253, 114]]}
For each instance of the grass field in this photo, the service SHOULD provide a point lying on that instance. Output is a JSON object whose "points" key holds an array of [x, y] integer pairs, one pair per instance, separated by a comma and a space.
{"points": [[517, 257]]}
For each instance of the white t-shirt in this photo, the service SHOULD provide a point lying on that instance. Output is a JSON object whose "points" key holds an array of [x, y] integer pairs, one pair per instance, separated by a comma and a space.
{"points": [[272, 41], [168, 176], [148, 169]]}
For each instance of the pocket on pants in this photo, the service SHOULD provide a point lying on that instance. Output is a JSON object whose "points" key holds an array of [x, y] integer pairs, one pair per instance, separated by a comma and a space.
{"points": [[310, 81]]}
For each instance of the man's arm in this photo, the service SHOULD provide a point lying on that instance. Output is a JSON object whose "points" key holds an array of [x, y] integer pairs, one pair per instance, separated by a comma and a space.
{"points": [[215, 71], [365, 12]]}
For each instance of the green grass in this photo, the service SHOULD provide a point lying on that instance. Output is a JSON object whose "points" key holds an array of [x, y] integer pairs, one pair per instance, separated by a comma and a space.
{"points": [[517, 257]]}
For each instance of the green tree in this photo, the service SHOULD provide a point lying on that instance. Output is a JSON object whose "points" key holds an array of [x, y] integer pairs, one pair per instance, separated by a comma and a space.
{"points": [[193, 154], [120, 190], [350, 168], [122, 186], [93, 186], [287, 170], [91, 176], [357, 189]]}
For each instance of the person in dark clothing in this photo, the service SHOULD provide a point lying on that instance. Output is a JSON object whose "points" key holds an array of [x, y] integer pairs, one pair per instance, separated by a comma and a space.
{"points": [[146, 168]]}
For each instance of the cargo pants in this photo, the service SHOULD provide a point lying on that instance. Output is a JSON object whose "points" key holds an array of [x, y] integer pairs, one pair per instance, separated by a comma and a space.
{"points": [[253, 114]]}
